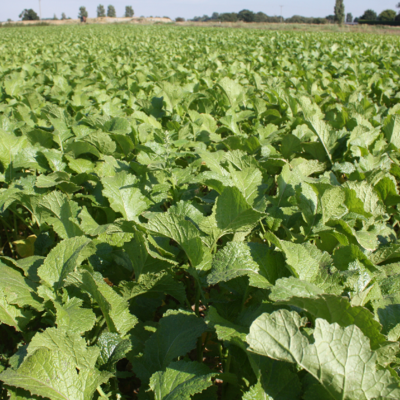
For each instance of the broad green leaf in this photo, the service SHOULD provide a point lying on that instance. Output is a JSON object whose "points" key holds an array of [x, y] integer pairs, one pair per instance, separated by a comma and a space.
{"points": [[18, 290], [176, 335], [289, 287], [53, 375], [112, 349], [332, 202], [226, 330], [181, 380], [391, 129], [71, 315], [123, 196], [233, 90], [185, 234], [69, 343], [233, 213], [148, 283], [232, 261], [304, 260], [276, 379], [114, 307], [12, 315], [63, 259], [340, 358], [338, 309], [61, 213]]}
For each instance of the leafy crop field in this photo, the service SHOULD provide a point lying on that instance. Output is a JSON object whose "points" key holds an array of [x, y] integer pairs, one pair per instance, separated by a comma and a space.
{"points": [[201, 214]]}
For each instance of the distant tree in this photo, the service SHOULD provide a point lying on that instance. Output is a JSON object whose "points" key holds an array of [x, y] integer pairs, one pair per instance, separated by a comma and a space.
{"points": [[349, 17], [55, 17], [111, 11], [29, 15], [246, 16], [63, 16], [101, 11], [129, 11], [228, 17], [330, 18], [369, 15], [339, 12], [179, 19], [261, 17], [82, 12], [215, 16], [387, 15]]}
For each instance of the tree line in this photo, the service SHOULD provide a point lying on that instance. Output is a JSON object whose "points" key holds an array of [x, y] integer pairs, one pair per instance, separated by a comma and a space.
{"points": [[31, 15], [339, 15]]}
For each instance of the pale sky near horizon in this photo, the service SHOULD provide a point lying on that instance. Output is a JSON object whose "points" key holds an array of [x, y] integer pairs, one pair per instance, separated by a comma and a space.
{"points": [[190, 8]]}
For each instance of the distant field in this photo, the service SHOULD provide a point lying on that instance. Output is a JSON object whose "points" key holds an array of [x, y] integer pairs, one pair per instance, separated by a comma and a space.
{"points": [[376, 29], [199, 213]]}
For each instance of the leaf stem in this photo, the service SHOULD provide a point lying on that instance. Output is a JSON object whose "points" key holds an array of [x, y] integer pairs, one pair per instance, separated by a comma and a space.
{"points": [[101, 393]]}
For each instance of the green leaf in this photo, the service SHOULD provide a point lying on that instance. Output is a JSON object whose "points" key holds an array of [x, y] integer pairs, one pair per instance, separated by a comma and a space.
{"points": [[61, 213], [391, 128], [290, 287], [69, 343], [269, 261], [233, 90], [123, 196], [233, 213], [340, 358], [338, 309], [304, 260], [226, 330], [247, 181], [181, 380], [185, 234], [63, 259], [53, 375], [276, 380], [332, 202], [18, 290], [148, 283], [232, 261], [12, 315], [112, 349], [114, 307], [176, 335], [72, 316]]}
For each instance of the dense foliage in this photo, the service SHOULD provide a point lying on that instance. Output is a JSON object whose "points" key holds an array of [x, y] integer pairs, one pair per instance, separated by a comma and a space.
{"points": [[198, 213], [29, 15]]}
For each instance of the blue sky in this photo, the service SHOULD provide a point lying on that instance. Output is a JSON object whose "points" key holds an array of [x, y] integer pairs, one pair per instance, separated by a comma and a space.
{"points": [[190, 8]]}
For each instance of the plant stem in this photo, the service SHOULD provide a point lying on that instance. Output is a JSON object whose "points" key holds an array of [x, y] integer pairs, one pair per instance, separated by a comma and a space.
{"points": [[100, 390], [24, 222]]}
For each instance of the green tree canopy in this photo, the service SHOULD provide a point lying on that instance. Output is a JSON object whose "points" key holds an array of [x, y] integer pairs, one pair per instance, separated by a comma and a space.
{"points": [[246, 16], [349, 17], [101, 11], [129, 11], [228, 17], [29, 15], [83, 12], [369, 15], [63, 16], [339, 11], [387, 15], [111, 11]]}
